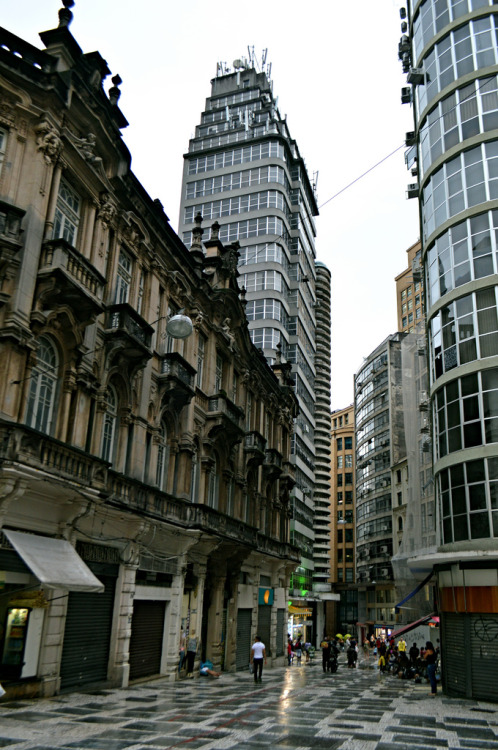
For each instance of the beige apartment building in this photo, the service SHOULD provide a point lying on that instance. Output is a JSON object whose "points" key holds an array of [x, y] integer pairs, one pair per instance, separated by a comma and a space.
{"points": [[342, 615], [145, 471], [410, 292]]}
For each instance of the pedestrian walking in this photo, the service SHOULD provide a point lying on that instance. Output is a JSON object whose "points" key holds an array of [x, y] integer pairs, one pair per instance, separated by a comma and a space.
{"points": [[191, 652], [352, 654], [258, 655], [289, 652], [431, 659], [299, 651], [181, 650], [366, 650], [326, 647]]}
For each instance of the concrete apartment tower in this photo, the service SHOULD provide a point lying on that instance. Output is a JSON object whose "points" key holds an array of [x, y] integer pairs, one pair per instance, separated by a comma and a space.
{"points": [[342, 615], [321, 554], [245, 171], [378, 443], [450, 54]]}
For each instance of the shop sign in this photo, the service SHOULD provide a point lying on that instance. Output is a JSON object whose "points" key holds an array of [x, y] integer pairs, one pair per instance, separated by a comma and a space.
{"points": [[265, 596]]}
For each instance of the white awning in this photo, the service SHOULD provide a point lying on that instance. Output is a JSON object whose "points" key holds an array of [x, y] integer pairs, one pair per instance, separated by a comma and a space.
{"points": [[54, 562]]}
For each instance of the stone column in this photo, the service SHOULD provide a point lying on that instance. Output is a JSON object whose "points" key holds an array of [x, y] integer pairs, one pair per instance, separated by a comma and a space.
{"points": [[119, 665], [54, 193], [196, 603], [215, 614], [231, 634], [68, 387]]}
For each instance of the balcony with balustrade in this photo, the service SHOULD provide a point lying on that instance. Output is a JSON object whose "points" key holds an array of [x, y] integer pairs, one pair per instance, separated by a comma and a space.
{"points": [[224, 416], [254, 447], [176, 379], [65, 277], [128, 334]]}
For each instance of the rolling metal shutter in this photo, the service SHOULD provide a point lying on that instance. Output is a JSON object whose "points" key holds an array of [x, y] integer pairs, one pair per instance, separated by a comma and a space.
{"points": [[264, 627], [10, 560], [281, 632], [147, 629], [454, 655], [85, 653], [243, 638], [484, 656]]}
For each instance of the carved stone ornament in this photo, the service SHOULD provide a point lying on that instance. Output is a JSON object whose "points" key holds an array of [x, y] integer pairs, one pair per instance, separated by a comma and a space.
{"points": [[7, 110], [230, 262], [198, 320], [48, 141], [86, 147], [107, 210], [225, 327]]}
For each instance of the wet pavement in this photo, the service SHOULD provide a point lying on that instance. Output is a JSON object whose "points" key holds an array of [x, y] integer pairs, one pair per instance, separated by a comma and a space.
{"points": [[298, 708]]}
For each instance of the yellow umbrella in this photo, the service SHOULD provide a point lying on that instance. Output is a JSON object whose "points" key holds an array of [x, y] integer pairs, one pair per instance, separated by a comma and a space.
{"points": [[348, 635], [338, 635]]}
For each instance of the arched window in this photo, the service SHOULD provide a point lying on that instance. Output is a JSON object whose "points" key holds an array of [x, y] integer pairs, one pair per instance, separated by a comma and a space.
{"points": [[109, 430], [230, 505], [43, 387], [194, 477], [212, 495], [162, 458]]}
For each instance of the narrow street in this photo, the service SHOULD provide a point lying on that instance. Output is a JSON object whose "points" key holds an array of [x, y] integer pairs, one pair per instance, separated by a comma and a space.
{"points": [[297, 707]]}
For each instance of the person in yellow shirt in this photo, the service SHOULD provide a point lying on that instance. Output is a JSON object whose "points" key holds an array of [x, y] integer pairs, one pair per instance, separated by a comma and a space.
{"points": [[402, 646]]}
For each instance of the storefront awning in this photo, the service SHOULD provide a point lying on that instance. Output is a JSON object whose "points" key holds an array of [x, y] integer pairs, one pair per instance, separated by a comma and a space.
{"points": [[412, 625], [412, 593], [54, 562], [305, 612]]}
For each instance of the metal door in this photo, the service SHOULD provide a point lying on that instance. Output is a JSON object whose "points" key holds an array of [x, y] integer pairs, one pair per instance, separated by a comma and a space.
{"points": [[146, 642], [85, 652], [281, 632], [243, 654], [264, 626], [453, 655], [484, 656]]}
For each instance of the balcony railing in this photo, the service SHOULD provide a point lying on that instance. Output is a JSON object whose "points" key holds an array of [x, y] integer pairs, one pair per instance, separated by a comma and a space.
{"points": [[124, 318], [174, 365], [25, 448], [225, 414], [10, 224], [273, 458], [254, 441], [36, 450], [79, 283]]}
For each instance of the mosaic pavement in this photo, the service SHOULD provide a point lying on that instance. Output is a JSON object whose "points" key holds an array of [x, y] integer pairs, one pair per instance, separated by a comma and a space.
{"points": [[297, 708]]}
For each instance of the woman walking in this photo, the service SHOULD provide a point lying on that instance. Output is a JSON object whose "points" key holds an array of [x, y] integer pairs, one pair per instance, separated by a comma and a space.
{"points": [[430, 657]]}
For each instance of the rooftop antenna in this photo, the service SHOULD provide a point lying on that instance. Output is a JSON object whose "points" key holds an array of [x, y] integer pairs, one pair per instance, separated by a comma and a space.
{"points": [[315, 180], [263, 58]]}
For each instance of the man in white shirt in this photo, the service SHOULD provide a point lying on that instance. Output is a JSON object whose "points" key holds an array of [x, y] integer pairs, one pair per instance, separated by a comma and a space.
{"points": [[258, 654]]}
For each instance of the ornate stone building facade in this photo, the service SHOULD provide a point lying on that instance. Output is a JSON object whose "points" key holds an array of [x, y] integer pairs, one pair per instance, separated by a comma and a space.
{"points": [[144, 478]]}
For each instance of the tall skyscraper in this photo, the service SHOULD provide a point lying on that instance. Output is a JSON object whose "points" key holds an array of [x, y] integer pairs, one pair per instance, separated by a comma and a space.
{"points": [[378, 446], [450, 53], [245, 171], [342, 615]]}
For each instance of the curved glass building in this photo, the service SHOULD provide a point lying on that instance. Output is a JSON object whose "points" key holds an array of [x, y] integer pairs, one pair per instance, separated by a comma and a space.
{"points": [[450, 53]]}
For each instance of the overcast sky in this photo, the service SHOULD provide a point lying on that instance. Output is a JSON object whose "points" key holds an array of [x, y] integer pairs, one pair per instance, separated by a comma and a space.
{"points": [[336, 74]]}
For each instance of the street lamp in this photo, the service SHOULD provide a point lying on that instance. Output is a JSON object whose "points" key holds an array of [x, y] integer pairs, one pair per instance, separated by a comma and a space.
{"points": [[179, 326]]}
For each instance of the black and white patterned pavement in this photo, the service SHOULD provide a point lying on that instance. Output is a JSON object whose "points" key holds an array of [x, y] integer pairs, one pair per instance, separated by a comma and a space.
{"points": [[299, 708]]}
